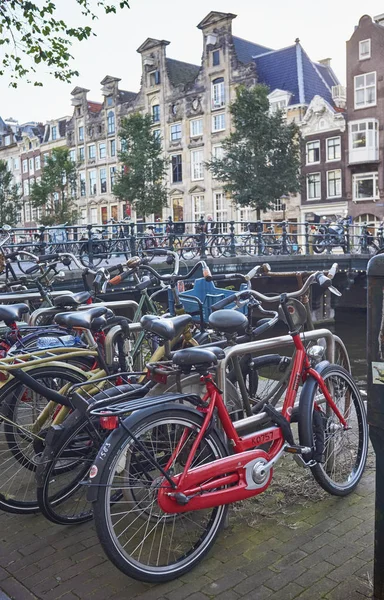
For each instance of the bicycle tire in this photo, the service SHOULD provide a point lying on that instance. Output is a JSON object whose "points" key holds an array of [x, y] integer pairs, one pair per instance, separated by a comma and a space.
{"points": [[190, 248], [194, 539], [99, 250], [18, 495], [335, 480]]}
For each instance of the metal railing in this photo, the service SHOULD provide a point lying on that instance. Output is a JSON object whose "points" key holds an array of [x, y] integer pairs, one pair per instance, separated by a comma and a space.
{"points": [[95, 243]]}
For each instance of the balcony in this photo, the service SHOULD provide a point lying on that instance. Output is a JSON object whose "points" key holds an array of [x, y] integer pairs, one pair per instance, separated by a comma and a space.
{"points": [[363, 141]]}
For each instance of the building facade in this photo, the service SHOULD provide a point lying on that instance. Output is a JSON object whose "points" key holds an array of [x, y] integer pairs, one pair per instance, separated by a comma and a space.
{"points": [[365, 109]]}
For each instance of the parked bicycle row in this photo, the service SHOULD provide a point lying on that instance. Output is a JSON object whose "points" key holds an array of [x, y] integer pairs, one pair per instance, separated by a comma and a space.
{"points": [[95, 244], [154, 425]]}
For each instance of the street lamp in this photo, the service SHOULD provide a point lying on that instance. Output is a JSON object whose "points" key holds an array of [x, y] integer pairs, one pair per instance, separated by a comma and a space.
{"points": [[284, 199]]}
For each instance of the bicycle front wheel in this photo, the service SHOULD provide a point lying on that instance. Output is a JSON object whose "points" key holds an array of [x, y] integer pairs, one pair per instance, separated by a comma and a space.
{"points": [[340, 453], [137, 536], [190, 248]]}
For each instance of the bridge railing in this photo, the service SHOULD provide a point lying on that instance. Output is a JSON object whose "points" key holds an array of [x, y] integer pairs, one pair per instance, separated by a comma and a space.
{"points": [[204, 238]]}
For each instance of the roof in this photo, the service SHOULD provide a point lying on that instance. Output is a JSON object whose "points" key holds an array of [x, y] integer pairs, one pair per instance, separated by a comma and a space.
{"points": [[292, 70], [94, 107], [125, 96], [246, 51], [181, 73]]}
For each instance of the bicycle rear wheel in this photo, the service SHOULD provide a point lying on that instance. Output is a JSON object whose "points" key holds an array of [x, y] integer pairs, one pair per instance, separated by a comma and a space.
{"points": [[137, 536], [340, 453], [21, 441], [190, 248]]}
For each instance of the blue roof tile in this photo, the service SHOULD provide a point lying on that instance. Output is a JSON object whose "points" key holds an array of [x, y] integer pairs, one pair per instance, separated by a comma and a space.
{"points": [[290, 69], [246, 51]]}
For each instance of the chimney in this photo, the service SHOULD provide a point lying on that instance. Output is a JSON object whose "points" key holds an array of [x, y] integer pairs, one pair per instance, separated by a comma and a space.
{"points": [[379, 19], [326, 62]]}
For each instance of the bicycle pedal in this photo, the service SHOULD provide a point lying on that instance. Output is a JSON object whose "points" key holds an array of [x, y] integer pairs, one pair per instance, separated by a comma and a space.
{"points": [[293, 449]]}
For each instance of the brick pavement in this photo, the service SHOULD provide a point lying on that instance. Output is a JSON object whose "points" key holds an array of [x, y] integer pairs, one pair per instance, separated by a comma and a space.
{"points": [[319, 547]]}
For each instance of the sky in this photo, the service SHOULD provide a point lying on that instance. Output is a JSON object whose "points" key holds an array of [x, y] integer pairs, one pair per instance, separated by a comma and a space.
{"points": [[322, 27]]}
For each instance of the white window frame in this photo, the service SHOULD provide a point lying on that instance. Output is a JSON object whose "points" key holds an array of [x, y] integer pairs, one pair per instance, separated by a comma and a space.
{"points": [[93, 151], [368, 54], [112, 176], [54, 133], [111, 123], [216, 117], [37, 163], [81, 133], [365, 176], [197, 166], [196, 128], [103, 170], [83, 180], [93, 216], [92, 180], [103, 145], [16, 164], [307, 181], [312, 162], [339, 192], [365, 87], [112, 145], [220, 204], [337, 137], [81, 153], [218, 151], [72, 155], [217, 93], [25, 165], [31, 166], [198, 207]]}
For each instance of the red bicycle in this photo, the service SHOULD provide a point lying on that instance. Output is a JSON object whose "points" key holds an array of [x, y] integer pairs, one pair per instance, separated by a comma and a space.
{"points": [[164, 478]]}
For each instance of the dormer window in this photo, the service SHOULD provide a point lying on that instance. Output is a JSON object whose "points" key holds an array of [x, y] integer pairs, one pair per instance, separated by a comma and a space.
{"points": [[278, 100], [364, 49], [218, 93], [154, 78], [54, 133], [215, 58], [7, 140]]}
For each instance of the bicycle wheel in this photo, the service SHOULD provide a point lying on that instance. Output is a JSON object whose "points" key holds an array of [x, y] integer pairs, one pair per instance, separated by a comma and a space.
{"points": [[220, 246], [340, 453], [21, 439], [140, 539], [99, 253], [190, 248]]}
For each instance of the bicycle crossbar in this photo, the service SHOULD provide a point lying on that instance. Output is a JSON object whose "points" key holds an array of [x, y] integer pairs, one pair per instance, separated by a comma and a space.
{"points": [[54, 310], [42, 357], [266, 345]]}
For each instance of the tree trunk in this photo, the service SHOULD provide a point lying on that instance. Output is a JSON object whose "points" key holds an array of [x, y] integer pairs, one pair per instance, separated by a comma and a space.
{"points": [[258, 214]]}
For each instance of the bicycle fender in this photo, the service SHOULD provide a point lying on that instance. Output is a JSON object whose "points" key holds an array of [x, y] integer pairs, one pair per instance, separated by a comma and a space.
{"points": [[310, 384], [117, 436]]}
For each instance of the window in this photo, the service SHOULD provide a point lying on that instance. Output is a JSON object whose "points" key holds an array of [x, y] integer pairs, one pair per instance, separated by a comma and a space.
{"points": [[215, 58], [92, 151], [26, 187], [82, 185], [365, 90], [102, 151], [54, 132], [334, 184], [364, 49], [176, 132], [72, 155], [221, 215], [197, 167], [177, 168], [93, 215], [45, 157], [218, 93], [16, 164], [363, 141], [277, 105], [7, 140], [37, 163], [123, 145], [218, 151], [31, 165], [111, 122], [81, 134], [178, 209], [112, 176], [109, 101], [78, 111], [103, 181], [313, 186], [157, 134], [25, 166], [92, 183], [112, 148], [198, 207], [333, 148], [365, 186], [196, 127], [81, 153], [156, 113], [313, 152], [154, 78], [218, 122], [277, 205]]}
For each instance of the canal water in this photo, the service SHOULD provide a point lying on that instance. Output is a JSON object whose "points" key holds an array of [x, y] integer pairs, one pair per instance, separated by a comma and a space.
{"points": [[351, 327]]}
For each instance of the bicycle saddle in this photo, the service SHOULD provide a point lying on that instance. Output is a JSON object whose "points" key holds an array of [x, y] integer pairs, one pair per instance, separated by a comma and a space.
{"points": [[71, 299], [189, 357], [228, 321], [82, 319], [165, 328], [12, 312]]}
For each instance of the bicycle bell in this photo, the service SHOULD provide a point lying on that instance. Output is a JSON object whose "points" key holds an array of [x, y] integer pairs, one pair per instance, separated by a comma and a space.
{"points": [[297, 312]]}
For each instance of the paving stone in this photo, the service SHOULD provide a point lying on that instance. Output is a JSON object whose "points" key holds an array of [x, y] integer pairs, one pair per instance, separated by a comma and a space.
{"points": [[314, 573], [282, 579], [344, 572], [292, 590], [224, 583], [16, 590], [253, 582], [261, 593], [318, 590]]}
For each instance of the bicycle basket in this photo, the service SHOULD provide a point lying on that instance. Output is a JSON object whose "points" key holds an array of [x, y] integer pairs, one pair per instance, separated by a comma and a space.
{"points": [[208, 294]]}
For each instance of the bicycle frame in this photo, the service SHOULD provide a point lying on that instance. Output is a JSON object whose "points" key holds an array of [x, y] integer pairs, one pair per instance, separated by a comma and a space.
{"points": [[249, 471]]}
